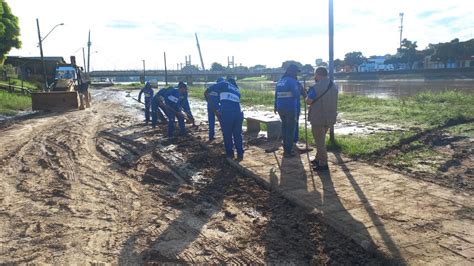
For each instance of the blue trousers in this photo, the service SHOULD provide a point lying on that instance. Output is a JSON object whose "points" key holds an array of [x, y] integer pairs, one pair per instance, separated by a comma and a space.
{"points": [[288, 127], [147, 111], [231, 124], [211, 119], [171, 123]]}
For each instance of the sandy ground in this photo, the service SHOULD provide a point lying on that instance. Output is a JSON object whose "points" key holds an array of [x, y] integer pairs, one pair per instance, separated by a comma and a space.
{"points": [[98, 186]]}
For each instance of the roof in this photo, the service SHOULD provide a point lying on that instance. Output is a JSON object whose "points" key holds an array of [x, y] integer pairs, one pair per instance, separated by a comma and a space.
{"points": [[46, 58]]}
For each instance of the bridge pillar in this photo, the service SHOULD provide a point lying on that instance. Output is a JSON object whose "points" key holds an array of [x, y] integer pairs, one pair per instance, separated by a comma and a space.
{"points": [[189, 80]]}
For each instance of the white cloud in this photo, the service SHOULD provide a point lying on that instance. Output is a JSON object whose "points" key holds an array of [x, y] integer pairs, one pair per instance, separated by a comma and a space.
{"points": [[255, 32]]}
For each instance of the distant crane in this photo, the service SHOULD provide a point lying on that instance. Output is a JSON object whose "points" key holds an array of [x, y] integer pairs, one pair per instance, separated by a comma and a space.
{"points": [[199, 49]]}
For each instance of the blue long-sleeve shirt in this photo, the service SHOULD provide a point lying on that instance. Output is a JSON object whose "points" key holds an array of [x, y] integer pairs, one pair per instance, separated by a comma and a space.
{"points": [[229, 96], [175, 100], [287, 93], [147, 91], [212, 97]]}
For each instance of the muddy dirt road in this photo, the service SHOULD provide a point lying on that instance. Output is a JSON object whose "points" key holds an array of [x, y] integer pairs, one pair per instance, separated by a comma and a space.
{"points": [[98, 186]]}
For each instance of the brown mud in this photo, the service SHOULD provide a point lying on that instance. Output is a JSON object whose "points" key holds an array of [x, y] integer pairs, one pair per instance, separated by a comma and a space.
{"points": [[98, 186]]}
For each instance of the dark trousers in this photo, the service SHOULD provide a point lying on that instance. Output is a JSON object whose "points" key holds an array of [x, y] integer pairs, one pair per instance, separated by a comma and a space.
{"points": [[147, 111], [171, 123], [288, 127]]}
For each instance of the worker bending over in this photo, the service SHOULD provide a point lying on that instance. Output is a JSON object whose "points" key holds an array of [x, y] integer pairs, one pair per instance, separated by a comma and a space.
{"points": [[212, 99], [231, 116], [172, 101], [148, 92]]}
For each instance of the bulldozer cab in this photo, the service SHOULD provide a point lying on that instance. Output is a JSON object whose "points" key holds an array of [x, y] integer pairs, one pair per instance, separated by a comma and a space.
{"points": [[65, 72]]}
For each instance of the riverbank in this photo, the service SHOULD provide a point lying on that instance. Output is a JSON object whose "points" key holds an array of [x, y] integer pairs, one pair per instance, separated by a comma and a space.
{"points": [[423, 74], [431, 139]]}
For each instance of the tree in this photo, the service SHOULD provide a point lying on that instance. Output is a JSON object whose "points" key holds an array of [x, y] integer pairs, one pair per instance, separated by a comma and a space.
{"points": [[9, 31], [287, 63], [408, 53], [307, 69], [338, 65], [190, 68], [354, 59], [257, 67], [217, 67]]}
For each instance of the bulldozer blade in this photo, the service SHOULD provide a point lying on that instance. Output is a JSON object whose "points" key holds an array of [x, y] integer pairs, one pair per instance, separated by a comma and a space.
{"points": [[55, 101]]}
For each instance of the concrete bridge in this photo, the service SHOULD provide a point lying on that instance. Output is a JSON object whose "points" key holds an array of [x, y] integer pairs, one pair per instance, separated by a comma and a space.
{"points": [[186, 75]]}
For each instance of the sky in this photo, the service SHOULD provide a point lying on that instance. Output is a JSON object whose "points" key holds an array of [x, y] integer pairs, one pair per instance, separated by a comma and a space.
{"points": [[123, 33]]}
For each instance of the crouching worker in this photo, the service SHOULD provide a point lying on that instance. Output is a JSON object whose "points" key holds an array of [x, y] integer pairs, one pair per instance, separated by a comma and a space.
{"points": [[322, 101], [212, 99], [172, 101], [148, 92], [231, 117]]}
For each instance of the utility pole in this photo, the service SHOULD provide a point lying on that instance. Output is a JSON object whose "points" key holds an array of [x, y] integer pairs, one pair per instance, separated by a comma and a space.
{"points": [[89, 52], [166, 70], [42, 57], [331, 55], [401, 28], [84, 58], [199, 49]]}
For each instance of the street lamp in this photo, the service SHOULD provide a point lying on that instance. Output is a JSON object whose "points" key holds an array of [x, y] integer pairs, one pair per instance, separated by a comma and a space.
{"points": [[41, 49]]}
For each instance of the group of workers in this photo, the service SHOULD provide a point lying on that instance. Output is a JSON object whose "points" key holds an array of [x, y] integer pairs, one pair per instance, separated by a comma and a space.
{"points": [[223, 103]]}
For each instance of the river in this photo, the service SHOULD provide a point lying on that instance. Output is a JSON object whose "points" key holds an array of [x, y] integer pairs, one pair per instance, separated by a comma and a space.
{"points": [[381, 88]]}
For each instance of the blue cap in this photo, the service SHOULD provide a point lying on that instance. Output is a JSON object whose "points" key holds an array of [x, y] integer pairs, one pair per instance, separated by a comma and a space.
{"points": [[292, 69], [182, 85], [147, 83], [220, 79]]}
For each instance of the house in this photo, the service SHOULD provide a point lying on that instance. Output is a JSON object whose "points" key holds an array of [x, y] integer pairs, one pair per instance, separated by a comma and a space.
{"points": [[374, 64], [32, 67]]}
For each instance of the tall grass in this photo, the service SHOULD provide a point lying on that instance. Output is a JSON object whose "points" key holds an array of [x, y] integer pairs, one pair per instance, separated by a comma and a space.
{"points": [[10, 103]]}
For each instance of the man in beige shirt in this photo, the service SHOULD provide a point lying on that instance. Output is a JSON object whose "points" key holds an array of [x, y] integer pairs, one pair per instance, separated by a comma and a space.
{"points": [[322, 101]]}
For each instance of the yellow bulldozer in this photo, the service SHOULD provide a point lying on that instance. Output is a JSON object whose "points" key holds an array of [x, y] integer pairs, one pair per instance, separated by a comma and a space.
{"points": [[69, 91]]}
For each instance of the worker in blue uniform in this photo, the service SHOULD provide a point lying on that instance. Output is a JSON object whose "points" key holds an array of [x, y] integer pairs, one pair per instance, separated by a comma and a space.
{"points": [[148, 92], [212, 99], [287, 93], [172, 101], [231, 116]]}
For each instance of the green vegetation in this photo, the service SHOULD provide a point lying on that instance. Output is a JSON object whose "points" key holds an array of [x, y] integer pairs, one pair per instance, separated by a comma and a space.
{"points": [[9, 30], [254, 79], [248, 97], [424, 111], [26, 84], [359, 145], [10, 103]]}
